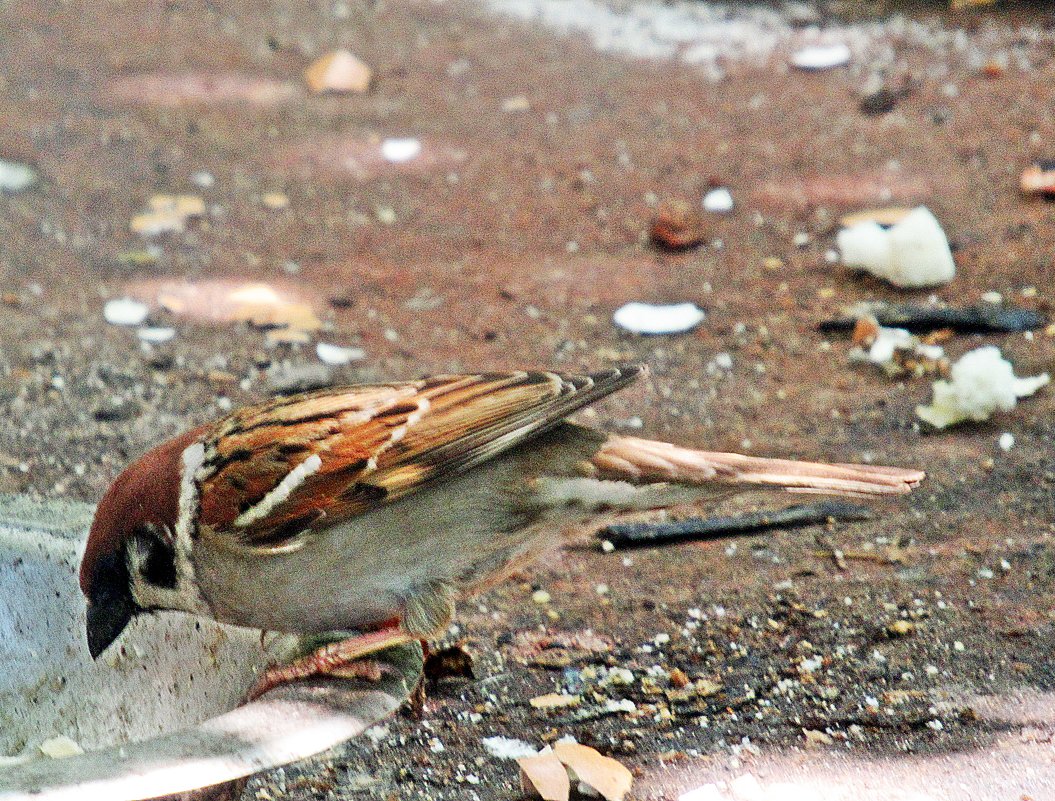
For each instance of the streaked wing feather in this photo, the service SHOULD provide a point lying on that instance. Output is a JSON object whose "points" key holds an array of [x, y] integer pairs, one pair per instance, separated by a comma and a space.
{"points": [[376, 443]]}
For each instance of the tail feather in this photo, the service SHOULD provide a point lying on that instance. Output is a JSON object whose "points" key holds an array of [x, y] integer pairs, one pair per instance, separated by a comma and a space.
{"points": [[633, 459]]}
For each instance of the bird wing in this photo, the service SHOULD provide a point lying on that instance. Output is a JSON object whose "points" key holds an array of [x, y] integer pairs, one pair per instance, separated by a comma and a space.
{"points": [[271, 472]]}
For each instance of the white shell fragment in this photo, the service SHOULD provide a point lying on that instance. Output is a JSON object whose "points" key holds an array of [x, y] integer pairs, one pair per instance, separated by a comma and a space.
{"points": [[125, 311], [156, 335], [914, 253], [821, 57], [647, 318], [400, 150], [14, 177], [337, 355], [60, 747], [718, 201], [982, 382]]}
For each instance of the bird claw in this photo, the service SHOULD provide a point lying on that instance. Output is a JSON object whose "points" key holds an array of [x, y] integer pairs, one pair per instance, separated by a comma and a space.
{"points": [[371, 670], [343, 659]]}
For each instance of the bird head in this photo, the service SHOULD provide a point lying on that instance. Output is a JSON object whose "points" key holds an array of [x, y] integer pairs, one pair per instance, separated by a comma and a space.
{"points": [[130, 564]]}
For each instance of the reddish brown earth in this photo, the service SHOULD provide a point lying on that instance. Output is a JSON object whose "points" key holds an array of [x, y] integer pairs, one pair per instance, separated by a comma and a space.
{"points": [[509, 243]]}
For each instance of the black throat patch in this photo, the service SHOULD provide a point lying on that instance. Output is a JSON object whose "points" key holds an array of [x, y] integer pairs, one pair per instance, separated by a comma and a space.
{"points": [[159, 567]]}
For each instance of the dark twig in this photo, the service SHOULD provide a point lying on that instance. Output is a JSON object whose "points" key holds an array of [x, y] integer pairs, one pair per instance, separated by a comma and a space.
{"points": [[984, 319], [641, 535]]}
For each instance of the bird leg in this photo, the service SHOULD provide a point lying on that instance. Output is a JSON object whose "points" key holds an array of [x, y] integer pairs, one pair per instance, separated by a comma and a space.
{"points": [[343, 659]]}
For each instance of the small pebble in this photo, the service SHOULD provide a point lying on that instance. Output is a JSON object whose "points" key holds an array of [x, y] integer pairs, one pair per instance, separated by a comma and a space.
{"points": [[508, 747], [339, 71], [718, 201], [901, 628], [619, 677], [286, 377], [15, 177], [400, 150], [286, 336], [167, 214], [203, 179], [881, 101], [821, 57], [60, 747], [156, 335], [125, 311], [541, 597], [516, 103], [815, 737], [652, 319], [337, 355], [1006, 441], [276, 201], [812, 664]]}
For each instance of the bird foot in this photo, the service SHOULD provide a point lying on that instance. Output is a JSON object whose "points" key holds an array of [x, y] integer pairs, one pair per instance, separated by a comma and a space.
{"points": [[343, 659]]}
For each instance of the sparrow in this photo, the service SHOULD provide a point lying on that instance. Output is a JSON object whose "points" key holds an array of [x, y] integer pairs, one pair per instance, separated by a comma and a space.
{"points": [[374, 508]]}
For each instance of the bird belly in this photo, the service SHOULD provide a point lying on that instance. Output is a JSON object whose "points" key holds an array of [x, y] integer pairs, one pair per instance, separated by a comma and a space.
{"points": [[359, 573]]}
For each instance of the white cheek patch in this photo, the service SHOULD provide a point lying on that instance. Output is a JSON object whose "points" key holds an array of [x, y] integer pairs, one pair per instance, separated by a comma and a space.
{"points": [[192, 459], [185, 595], [297, 476]]}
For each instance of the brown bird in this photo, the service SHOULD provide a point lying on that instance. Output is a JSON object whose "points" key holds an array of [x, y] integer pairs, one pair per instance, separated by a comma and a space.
{"points": [[375, 507]]}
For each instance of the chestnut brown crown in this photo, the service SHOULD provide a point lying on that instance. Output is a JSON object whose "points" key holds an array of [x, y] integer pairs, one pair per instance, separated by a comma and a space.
{"points": [[143, 497]]}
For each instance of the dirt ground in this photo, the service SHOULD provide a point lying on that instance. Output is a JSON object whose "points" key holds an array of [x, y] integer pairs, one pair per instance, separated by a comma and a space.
{"points": [[509, 242]]}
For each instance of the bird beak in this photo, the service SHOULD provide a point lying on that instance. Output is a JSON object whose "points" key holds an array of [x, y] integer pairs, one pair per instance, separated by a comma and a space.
{"points": [[108, 614]]}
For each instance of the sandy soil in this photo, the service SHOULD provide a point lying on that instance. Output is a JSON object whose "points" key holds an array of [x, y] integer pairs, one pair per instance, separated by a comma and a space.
{"points": [[509, 242]]}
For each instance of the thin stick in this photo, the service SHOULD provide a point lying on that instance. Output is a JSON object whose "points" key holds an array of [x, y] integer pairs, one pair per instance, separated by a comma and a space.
{"points": [[642, 535], [983, 319]]}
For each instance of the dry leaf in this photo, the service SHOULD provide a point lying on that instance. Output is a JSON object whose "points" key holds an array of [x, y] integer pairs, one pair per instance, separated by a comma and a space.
{"points": [[545, 777], [604, 774]]}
